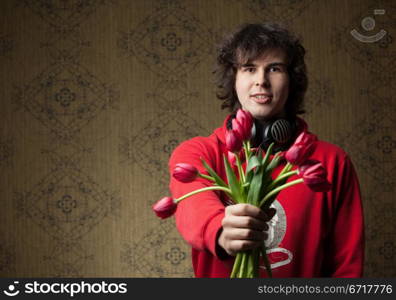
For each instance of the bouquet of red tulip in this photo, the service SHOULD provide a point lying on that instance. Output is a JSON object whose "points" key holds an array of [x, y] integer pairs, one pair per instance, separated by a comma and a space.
{"points": [[254, 183]]}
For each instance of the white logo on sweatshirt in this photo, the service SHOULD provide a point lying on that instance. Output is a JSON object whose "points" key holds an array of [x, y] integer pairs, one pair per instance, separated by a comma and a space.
{"points": [[276, 233]]}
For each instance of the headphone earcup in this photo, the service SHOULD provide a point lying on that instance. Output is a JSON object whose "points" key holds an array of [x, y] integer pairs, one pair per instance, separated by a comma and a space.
{"points": [[280, 132]]}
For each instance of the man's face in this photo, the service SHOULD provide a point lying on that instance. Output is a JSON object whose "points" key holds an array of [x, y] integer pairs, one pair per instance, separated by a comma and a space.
{"points": [[262, 85]]}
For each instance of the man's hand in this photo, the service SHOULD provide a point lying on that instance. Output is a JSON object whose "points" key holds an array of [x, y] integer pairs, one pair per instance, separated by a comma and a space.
{"points": [[244, 227]]}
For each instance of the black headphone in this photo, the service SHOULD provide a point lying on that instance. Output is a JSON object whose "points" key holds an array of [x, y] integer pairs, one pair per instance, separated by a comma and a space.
{"points": [[279, 131]]}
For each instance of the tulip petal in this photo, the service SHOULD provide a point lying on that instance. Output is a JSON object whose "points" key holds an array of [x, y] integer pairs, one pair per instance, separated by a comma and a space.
{"points": [[185, 172], [165, 207]]}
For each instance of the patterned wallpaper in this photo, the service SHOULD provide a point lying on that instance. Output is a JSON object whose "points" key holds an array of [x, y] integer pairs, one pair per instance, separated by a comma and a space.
{"points": [[95, 95]]}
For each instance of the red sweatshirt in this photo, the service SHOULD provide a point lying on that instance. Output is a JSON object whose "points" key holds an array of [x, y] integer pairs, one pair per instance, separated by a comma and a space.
{"points": [[313, 234]]}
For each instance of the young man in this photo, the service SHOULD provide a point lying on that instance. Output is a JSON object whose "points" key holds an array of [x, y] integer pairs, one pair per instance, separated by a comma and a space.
{"points": [[261, 69]]}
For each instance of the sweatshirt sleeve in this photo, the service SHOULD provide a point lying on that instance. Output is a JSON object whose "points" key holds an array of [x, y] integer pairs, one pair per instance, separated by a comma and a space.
{"points": [[345, 251], [199, 217]]}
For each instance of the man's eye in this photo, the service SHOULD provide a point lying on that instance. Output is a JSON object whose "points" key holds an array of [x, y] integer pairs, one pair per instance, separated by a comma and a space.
{"points": [[275, 69], [280, 69], [250, 70]]}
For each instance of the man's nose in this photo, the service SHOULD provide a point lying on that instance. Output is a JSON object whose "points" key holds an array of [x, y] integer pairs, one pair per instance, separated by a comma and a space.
{"points": [[262, 79]]}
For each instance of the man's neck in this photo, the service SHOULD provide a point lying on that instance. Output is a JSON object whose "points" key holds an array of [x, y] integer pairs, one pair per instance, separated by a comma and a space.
{"points": [[267, 121]]}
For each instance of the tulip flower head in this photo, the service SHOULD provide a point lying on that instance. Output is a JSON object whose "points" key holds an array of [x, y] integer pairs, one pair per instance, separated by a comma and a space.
{"points": [[185, 172], [233, 141], [243, 123], [302, 149], [232, 157], [165, 207], [236, 126], [314, 176]]}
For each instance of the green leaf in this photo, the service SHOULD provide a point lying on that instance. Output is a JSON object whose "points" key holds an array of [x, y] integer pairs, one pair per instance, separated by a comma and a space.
{"points": [[267, 180], [259, 154], [233, 182], [273, 164], [253, 162], [212, 173], [256, 186], [265, 161], [249, 176]]}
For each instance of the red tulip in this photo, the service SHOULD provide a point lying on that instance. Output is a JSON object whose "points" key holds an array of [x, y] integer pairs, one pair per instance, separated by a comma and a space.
{"points": [[314, 176], [185, 172], [233, 141], [237, 126], [302, 149], [243, 123], [165, 207], [232, 157]]}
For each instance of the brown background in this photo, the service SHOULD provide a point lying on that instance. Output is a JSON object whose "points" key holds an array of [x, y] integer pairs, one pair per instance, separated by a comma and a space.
{"points": [[96, 94]]}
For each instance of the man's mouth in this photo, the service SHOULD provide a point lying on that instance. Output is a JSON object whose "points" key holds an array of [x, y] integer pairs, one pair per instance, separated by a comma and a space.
{"points": [[261, 98]]}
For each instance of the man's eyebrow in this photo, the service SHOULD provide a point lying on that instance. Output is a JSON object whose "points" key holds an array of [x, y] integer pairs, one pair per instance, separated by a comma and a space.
{"points": [[250, 64], [277, 64]]}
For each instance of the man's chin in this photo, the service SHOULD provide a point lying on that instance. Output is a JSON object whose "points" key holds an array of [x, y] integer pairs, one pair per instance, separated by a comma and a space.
{"points": [[262, 116], [267, 115], [263, 113]]}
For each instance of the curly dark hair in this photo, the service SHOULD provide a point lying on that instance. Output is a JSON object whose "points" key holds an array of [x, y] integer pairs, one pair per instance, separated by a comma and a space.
{"points": [[248, 43]]}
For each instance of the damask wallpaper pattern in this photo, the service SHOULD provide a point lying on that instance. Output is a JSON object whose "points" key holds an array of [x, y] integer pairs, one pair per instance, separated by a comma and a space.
{"points": [[96, 94]]}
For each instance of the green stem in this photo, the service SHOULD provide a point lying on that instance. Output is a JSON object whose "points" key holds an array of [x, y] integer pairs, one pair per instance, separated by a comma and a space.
{"points": [[286, 169], [286, 175], [237, 265], [246, 147], [246, 184], [209, 188], [206, 177], [250, 267], [278, 189], [242, 269], [240, 170], [280, 178]]}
